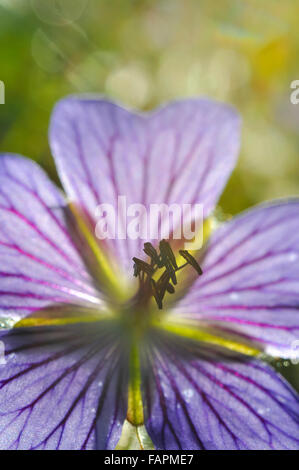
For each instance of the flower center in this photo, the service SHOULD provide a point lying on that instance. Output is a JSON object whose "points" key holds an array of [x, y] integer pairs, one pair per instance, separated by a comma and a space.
{"points": [[165, 261]]}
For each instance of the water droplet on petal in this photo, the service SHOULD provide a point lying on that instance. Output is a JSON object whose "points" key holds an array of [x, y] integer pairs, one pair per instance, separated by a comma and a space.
{"points": [[234, 296], [263, 411], [7, 322], [292, 257], [188, 393]]}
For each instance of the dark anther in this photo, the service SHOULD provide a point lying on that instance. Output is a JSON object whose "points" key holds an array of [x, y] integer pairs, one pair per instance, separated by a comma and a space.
{"points": [[143, 266], [164, 284], [168, 260], [170, 270], [165, 259], [136, 270], [170, 289], [166, 252], [150, 251], [160, 287], [192, 261]]}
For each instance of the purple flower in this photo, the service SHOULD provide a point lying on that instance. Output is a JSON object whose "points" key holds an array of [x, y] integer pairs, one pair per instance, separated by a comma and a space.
{"points": [[85, 343]]}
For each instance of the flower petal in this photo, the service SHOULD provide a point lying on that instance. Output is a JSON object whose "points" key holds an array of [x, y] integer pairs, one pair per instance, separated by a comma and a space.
{"points": [[199, 398], [39, 264], [63, 387], [182, 153], [250, 284]]}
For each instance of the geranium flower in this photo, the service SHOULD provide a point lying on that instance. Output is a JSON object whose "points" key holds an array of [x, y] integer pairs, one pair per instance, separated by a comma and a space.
{"points": [[86, 343]]}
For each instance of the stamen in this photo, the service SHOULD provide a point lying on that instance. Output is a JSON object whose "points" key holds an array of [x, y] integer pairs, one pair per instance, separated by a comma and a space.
{"points": [[143, 266], [150, 251], [156, 294], [165, 259], [170, 271], [168, 260], [190, 260], [170, 289], [163, 283], [167, 252], [136, 270]]}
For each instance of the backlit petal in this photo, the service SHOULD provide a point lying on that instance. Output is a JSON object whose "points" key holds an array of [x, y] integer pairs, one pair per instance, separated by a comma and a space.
{"points": [[201, 398], [39, 263], [182, 153], [250, 284], [63, 387]]}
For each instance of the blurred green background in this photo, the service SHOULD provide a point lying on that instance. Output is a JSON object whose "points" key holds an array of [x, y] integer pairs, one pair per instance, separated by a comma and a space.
{"points": [[145, 52]]}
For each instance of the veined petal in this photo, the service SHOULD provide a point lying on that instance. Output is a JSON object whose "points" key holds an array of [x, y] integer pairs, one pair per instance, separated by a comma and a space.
{"points": [[63, 387], [181, 154], [250, 284], [196, 397], [39, 264]]}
